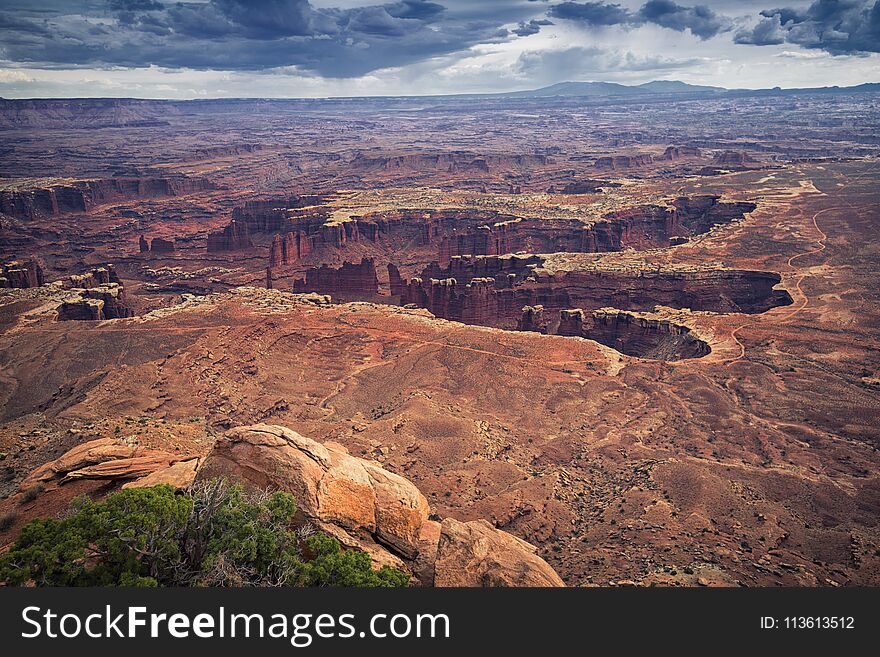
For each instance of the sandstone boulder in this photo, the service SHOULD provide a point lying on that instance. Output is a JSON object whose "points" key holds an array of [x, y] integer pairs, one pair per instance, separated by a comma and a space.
{"points": [[180, 475], [107, 458], [476, 554], [332, 488], [367, 507]]}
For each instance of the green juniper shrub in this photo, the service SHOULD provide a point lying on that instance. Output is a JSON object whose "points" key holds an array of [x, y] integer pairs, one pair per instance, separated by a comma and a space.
{"points": [[211, 535]]}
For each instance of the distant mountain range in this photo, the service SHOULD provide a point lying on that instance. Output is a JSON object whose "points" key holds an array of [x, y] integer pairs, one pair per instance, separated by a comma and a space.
{"points": [[593, 89], [598, 91], [613, 89]]}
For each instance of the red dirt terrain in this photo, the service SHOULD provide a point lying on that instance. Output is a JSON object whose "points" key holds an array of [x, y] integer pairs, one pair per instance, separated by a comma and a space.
{"points": [[659, 375]]}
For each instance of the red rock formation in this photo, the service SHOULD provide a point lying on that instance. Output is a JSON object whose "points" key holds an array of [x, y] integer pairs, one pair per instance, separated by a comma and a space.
{"points": [[645, 337], [532, 319], [571, 322], [270, 215], [349, 280], [159, 245], [21, 273], [616, 162], [289, 248], [104, 301], [395, 280], [587, 186], [82, 196], [448, 162], [673, 153], [459, 232], [95, 277], [372, 509], [732, 157], [156, 245], [233, 237], [498, 301]]}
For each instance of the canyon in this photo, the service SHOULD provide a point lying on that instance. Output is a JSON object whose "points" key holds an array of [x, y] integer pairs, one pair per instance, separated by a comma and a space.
{"points": [[639, 337]]}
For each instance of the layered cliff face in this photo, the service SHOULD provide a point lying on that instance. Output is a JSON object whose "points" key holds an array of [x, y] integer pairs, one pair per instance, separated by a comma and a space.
{"points": [[156, 245], [616, 162], [673, 153], [447, 162], [464, 292], [88, 113], [631, 334], [268, 215], [82, 196], [307, 235], [349, 280], [233, 237], [653, 226], [732, 157], [21, 273], [638, 227], [454, 232]]}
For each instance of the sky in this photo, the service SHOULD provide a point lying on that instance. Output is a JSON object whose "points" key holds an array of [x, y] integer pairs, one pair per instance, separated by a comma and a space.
{"points": [[319, 48]]}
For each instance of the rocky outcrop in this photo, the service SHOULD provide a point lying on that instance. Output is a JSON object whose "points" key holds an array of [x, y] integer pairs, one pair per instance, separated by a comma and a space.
{"points": [[21, 273], [587, 186], [395, 280], [370, 508], [83, 195], [634, 335], [289, 248], [476, 554], [532, 319], [156, 245], [639, 227], [233, 237], [673, 153], [95, 277], [726, 158], [271, 215], [112, 459], [106, 301], [215, 152], [617, 162], [358, 280]]}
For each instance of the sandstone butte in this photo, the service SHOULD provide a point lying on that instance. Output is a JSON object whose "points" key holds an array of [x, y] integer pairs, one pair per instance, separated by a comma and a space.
{"points": [[355, 500]]}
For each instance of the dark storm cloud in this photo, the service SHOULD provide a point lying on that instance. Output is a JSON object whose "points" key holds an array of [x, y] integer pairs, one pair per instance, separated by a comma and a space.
{"points": [[840, 27], [254, 34], [700, 19], [592, 13], [531, 27], [136, 5]]}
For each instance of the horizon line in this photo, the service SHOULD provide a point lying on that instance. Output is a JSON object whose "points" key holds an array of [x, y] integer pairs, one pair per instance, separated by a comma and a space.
{"points": [[485, 94]]}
